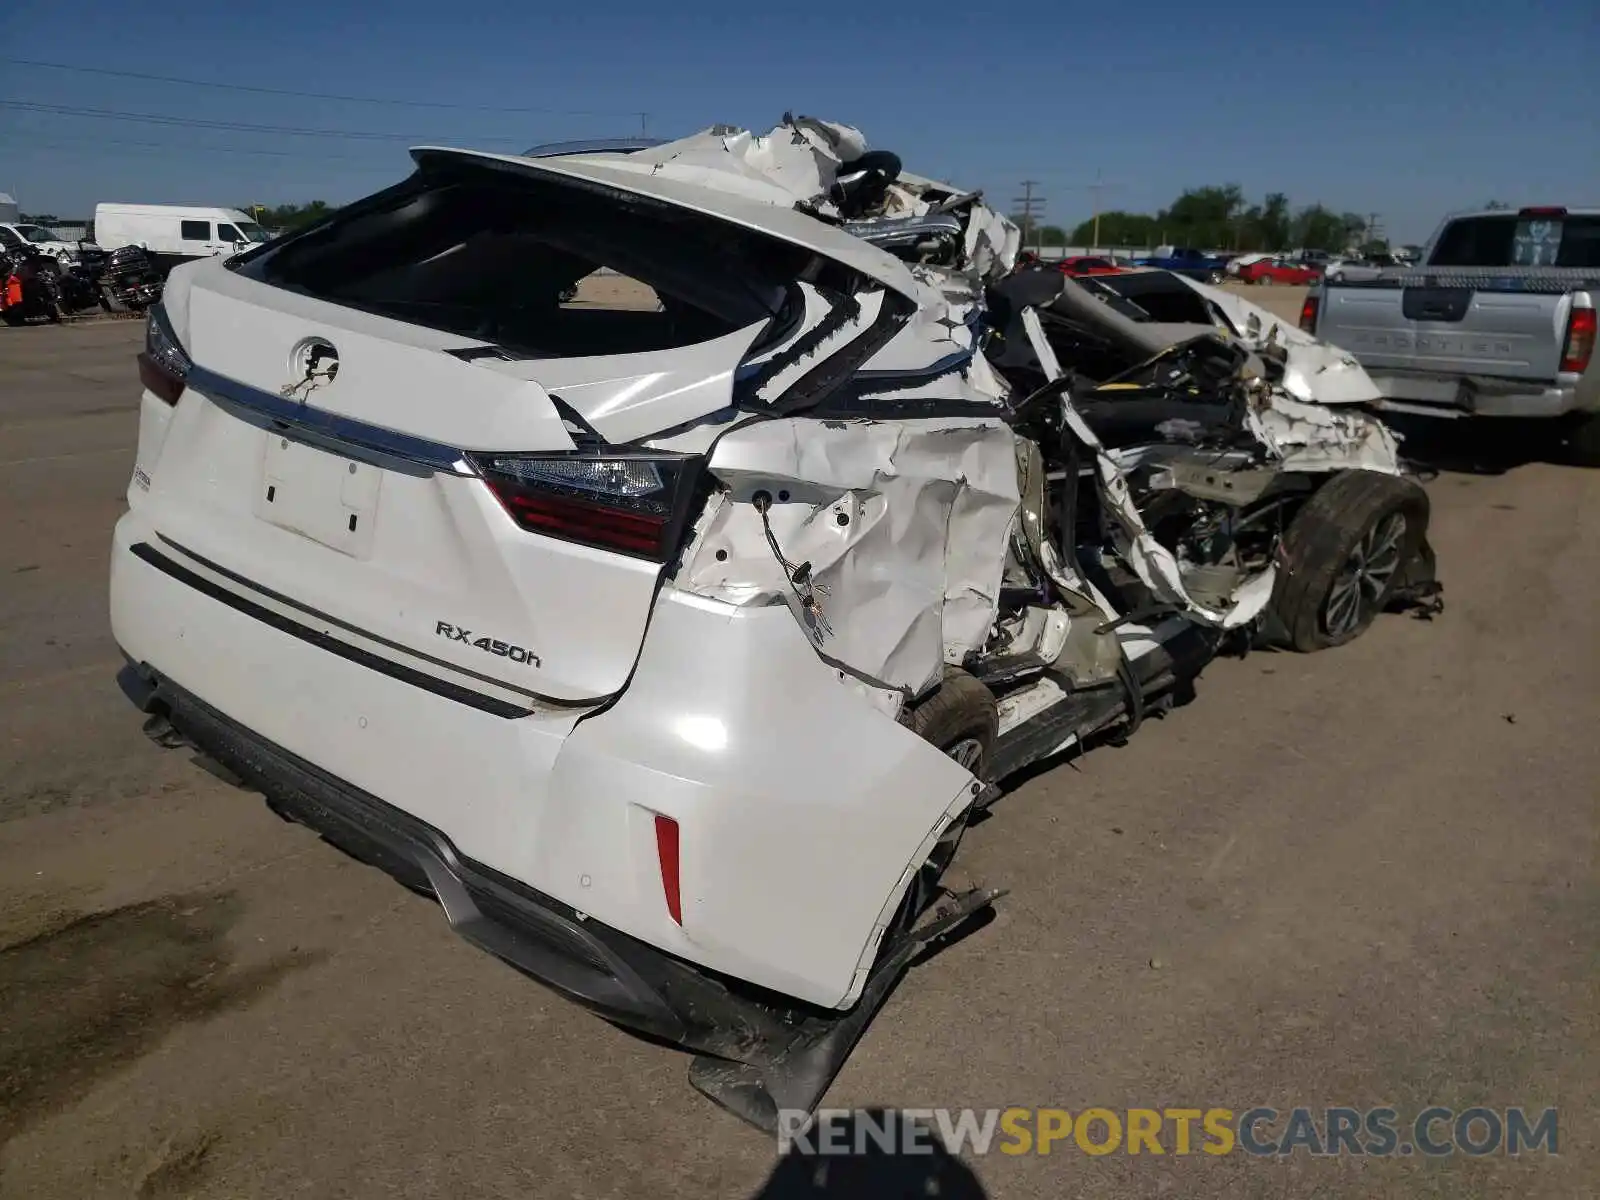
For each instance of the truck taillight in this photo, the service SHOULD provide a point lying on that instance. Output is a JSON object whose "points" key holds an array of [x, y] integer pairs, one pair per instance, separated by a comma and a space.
{"points": [[634, 504], [1308, 313], [1579, 348], [163, 364]]}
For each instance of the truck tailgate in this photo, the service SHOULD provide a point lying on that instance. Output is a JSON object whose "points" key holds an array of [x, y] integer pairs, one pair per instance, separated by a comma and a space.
{"points": [[1508, 324]]}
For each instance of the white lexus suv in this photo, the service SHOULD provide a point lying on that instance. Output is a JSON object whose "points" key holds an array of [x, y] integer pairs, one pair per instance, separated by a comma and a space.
{"points": [[620, 549]]}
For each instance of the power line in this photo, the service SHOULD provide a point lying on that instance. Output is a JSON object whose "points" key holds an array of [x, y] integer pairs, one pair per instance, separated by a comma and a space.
{"points": [[107, 114], [266, 91], [60, 142]]}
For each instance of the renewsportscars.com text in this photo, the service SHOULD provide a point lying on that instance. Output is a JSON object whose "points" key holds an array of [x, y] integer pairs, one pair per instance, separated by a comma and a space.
{"points": [[1433, 1132]]}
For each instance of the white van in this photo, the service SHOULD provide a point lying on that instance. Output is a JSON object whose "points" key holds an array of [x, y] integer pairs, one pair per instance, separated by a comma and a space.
{"points": [[174, 233]]}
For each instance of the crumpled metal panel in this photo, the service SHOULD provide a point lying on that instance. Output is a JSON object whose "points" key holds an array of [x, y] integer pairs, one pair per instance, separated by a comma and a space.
{"points": [[1310, 436], [1156, 566], [798, 162], [1315, 371], [905, 525]]}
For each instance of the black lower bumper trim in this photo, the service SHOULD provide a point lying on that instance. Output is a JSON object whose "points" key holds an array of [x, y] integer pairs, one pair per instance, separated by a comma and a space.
{"points": [[783, 1053]]}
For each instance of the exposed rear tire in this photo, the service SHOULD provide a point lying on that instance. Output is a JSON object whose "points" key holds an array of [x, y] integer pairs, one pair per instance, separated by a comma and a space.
{"points": [[13, 318], [1581, 446], [962, 720], [1344, 552]]}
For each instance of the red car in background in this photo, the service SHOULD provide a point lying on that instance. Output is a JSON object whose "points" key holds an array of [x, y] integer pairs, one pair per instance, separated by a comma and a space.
{"points": [[1280, 271], [1083, 264]]}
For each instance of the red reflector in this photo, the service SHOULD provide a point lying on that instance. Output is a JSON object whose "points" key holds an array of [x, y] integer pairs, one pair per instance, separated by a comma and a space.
{"points": [[1308, 315], [580, 521], [164, 384], [667, 852], [1580, 342]]}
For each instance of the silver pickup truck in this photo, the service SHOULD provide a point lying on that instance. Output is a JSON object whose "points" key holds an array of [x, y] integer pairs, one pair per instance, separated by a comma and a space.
{"points": [[1498, 320]]}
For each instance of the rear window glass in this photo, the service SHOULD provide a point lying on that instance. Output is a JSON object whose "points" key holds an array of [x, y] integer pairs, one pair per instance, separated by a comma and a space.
{"points": [[1515, 240], [543, 269]]}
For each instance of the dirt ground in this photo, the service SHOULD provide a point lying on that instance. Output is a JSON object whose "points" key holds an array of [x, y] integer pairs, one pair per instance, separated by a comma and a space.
{"points": [[1355, 878]]}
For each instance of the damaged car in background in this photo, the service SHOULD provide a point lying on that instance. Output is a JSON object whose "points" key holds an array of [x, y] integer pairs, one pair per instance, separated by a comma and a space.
{"points": [[672, 645]]}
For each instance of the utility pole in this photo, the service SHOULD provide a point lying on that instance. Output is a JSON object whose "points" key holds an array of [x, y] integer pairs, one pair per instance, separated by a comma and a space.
{"points": [[1097, 189], [1028, 207]]}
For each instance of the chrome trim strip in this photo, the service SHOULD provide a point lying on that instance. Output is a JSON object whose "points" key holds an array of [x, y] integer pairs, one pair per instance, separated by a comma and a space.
{"points": [[346, 435]]}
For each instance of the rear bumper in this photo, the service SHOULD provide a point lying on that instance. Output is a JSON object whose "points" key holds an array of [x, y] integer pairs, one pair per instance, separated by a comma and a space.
{"points": [[1474, 396], [717, 731], [758, 1053], [617, 975]]}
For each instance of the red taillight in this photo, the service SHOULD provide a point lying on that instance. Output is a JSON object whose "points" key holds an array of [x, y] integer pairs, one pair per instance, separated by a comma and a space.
{"points": [[631, 504], [667, 853], [1579, 349], [1308, 313], [1550, 211], [158, 380], [165, 364]]}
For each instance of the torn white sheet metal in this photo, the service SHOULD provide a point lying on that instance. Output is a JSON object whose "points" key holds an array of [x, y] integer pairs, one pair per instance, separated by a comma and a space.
{"points": [[1153, 563], [629, 396], [1314, 437], [935, 356], [992, 243], [799, 162], [905, 524], [866, 307], [792, 164], [1315, 370]]}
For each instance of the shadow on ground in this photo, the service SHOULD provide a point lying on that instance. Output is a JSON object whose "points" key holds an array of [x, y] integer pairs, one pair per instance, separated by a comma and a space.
{"points": [[1489, 446], [98, 992], [874, 1154]]}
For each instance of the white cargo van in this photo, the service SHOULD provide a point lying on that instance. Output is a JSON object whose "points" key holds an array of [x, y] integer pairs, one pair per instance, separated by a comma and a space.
{"points": [[174, 233]]}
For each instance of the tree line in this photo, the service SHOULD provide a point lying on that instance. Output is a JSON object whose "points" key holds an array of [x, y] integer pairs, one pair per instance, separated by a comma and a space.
{"points": [[288, 216], [1219, 218]]}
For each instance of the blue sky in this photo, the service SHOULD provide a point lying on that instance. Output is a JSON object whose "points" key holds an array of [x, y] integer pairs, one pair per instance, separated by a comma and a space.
{"points": [[1407, 108]]}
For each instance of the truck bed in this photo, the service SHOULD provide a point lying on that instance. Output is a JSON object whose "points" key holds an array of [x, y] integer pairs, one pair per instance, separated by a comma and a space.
{"points": [[1456, 322]]}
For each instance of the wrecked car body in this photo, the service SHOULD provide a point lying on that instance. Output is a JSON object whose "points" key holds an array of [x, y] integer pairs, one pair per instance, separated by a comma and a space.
{"points": [[631, 632], [1215, 425]]}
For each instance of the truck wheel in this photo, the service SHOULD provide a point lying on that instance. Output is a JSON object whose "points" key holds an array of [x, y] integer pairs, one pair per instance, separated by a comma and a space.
{"points": [[1342, 555], [1582, 443]]}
